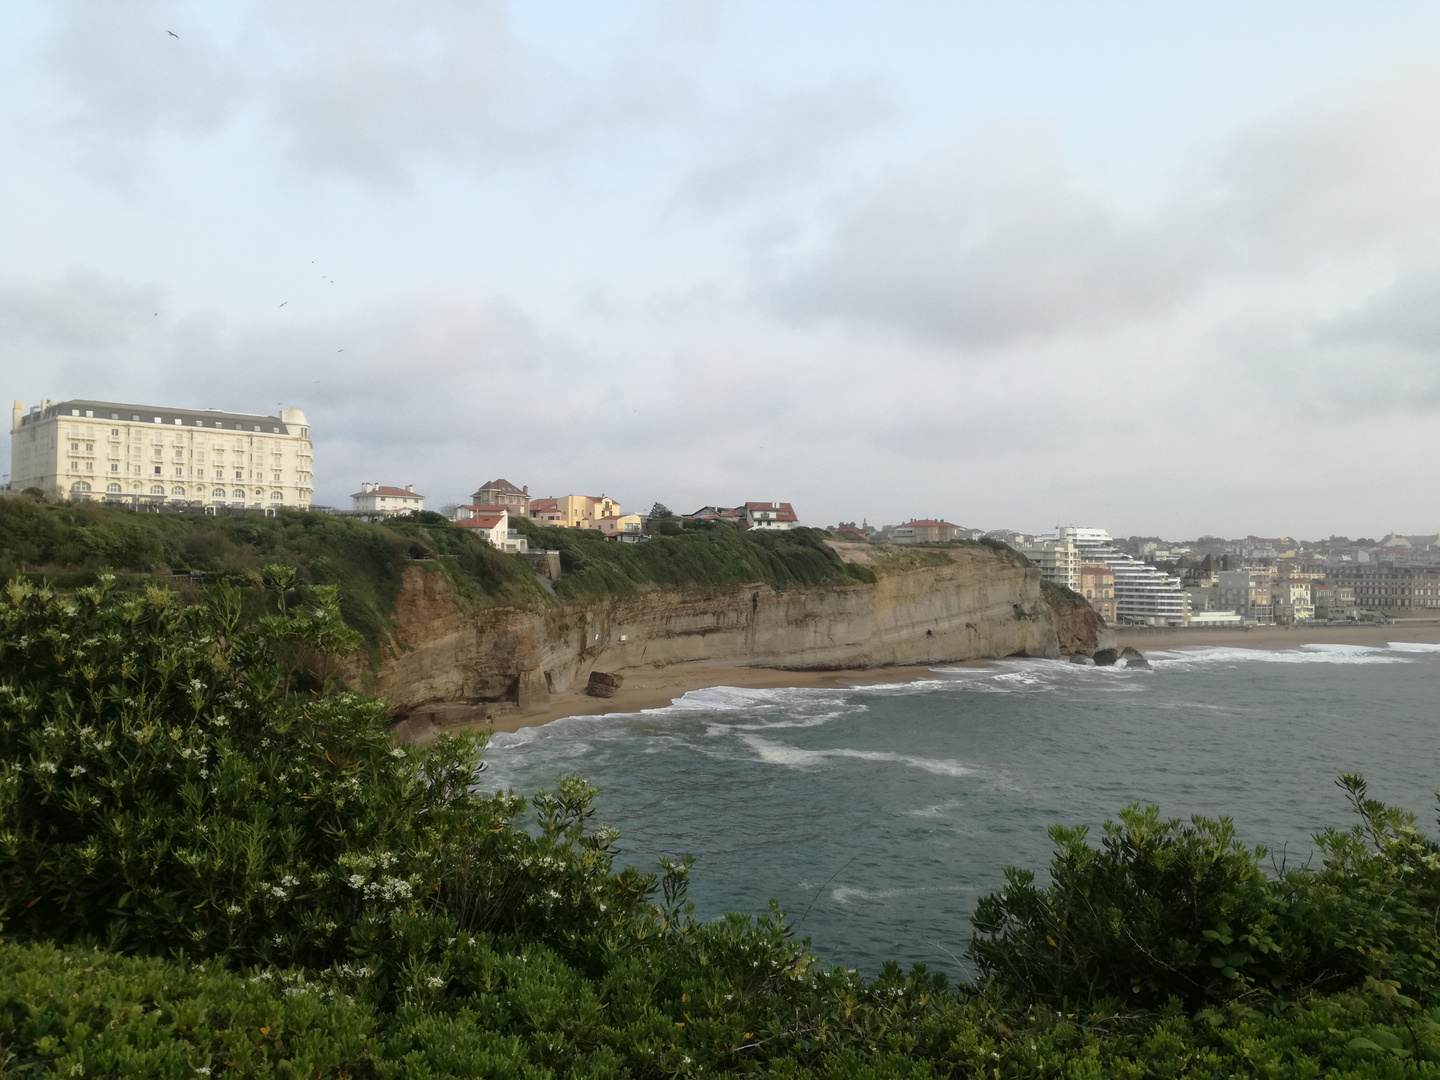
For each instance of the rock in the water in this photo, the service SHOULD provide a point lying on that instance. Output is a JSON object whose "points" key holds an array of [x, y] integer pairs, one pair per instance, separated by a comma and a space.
{"points": [[603, 684], [1106, 657], [1134, 658], [1081, 658]]}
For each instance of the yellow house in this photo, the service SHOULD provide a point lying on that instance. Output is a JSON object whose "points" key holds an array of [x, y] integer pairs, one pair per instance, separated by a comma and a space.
{"points": [[574, 511]]}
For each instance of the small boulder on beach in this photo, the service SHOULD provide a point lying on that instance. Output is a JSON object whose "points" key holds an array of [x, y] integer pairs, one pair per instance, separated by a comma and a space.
{"points": [[1106, 657]]}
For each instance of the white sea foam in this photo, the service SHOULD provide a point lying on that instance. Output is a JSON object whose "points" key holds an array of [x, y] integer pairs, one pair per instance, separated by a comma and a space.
{"points": [[1304, 654], [1415, 646], [784, 754], [844, 894]]}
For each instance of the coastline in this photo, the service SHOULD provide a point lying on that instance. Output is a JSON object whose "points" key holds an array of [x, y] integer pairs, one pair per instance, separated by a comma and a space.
{"points": [[658, 687]]}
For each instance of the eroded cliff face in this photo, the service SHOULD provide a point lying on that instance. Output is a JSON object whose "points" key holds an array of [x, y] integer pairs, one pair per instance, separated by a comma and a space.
{"points": [[976, 604]]}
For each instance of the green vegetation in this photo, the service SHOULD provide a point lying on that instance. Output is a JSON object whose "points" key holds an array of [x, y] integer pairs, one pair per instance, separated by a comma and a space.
{"points": [[1061, 595], [69, 543], [703, 554], [213, 861]]}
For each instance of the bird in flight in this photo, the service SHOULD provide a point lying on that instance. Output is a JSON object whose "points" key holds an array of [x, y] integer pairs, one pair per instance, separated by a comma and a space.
{"points": [[284, 302], [173, 34]]}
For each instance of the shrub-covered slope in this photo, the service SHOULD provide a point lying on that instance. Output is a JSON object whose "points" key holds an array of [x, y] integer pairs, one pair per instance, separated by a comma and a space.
{"points": [[215, 862], [703, 554]]}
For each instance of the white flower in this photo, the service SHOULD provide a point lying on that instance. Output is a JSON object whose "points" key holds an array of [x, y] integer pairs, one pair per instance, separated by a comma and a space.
{"points": [[77, 770], [203, 1070], [289, 881], [434, 982], [397, 752], [48, 766]]}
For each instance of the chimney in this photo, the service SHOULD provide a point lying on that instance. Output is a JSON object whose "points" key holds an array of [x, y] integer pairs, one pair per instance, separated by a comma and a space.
{"points": [[409, 487]]}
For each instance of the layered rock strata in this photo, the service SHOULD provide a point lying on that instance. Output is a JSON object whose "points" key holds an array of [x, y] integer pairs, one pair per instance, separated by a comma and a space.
{"points": [[977, 603]]}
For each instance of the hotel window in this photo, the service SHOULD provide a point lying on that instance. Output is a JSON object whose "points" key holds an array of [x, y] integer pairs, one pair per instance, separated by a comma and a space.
{"points": [[157, 470], [238, 494], [239, 474], [218, 493], [113, 489], [177, 491], [157, 490], [114, 468]]}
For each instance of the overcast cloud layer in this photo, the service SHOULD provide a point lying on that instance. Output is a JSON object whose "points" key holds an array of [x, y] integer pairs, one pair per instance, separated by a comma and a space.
{"points": [[1173, 274]]}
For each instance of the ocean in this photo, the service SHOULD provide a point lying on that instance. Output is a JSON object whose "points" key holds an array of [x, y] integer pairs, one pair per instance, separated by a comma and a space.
{"points": [[877, 815]]}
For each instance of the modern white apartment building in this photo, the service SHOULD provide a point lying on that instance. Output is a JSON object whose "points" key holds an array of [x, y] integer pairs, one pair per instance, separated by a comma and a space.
{"points": [[1058, 559], [1143, 593], [105, 450]]}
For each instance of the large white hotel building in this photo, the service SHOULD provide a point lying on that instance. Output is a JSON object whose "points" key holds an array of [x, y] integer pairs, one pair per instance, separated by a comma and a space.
{"points": [[105, 450]]}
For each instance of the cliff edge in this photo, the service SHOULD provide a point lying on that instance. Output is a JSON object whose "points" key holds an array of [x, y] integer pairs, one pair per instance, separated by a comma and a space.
{"points": [[926, 606]]}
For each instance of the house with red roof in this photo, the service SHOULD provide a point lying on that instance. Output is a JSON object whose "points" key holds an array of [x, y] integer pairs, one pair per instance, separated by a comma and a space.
{"points": [[752, 515], [387, 501], [492, 523]]}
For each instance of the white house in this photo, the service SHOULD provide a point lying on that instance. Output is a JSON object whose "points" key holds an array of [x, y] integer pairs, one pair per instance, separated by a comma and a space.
{"points": [[379, 499], [493, 523]]}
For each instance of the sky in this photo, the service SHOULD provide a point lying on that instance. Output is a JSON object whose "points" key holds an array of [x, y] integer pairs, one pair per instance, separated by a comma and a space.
{"points": [[1165, 269]]}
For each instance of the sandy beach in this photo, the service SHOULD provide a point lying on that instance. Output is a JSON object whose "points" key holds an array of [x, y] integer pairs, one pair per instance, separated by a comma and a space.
{"points": [[659, 687]]}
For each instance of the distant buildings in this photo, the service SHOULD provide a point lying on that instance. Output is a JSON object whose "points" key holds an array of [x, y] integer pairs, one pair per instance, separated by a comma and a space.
{"points": [[113, 452], [924, 531], [1097, 585], [1058, 558], [386, 501], [770, 516], [1143, 594], [585, 512], [503, 493]]}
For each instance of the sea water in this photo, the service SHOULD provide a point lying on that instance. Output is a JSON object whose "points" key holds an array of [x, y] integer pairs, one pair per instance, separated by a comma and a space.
{"points": [[878, 815]]}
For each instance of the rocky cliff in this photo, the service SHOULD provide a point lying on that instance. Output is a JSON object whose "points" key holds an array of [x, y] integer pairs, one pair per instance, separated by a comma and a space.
{"points": [[941, 605]]}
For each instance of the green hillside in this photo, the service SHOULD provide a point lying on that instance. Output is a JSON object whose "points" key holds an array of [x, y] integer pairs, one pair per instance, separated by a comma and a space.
{"points": [[67, 544]]}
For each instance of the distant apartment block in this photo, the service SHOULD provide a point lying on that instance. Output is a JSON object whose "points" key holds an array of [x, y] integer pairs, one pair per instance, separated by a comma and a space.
{"points": [[503, 493], [1400, 590], [1144, 595], [1334, 601], [925, 531], [1291, 602], [388, 501], [1248, 592], [114, 452], [1058, 558]]}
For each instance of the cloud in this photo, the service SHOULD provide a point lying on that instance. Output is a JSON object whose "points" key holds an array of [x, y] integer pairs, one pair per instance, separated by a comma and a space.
{"points": [[999, 240], [775, 142], [369, 89], [81, 312]]}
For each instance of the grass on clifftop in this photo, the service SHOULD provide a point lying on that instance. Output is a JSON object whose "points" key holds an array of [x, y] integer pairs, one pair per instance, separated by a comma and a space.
{"points": [[67, 543], [705, 554]]}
